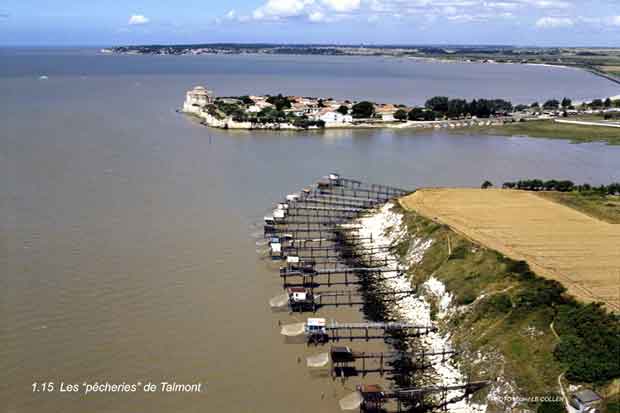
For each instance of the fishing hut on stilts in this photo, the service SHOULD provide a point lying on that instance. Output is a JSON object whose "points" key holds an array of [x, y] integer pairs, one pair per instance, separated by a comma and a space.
{"points": [[312, 235]]}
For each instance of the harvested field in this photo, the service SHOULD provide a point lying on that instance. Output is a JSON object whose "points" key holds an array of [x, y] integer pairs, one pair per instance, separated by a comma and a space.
{"points": [[558, 242]]}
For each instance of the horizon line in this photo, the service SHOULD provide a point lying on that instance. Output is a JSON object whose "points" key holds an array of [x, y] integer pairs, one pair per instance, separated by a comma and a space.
{"points": [[301, 44]]}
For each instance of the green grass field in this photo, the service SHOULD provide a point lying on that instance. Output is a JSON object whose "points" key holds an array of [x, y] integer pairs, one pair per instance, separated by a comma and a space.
{"points": [[551, 130], [605, 208]]}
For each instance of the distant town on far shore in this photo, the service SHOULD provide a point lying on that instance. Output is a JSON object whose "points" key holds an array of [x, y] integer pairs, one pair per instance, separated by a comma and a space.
{"points": [[604, 62]]}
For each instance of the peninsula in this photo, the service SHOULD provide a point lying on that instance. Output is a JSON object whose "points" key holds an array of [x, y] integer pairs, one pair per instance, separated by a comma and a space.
{"points": [[279, 112]]}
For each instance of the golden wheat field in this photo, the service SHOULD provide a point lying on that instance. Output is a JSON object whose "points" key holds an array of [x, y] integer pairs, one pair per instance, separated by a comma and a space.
{"points": [[558, 242]]}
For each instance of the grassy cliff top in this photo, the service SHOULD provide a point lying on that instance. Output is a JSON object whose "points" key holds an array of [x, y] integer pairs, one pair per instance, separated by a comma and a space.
{"points": [[512, 325]]}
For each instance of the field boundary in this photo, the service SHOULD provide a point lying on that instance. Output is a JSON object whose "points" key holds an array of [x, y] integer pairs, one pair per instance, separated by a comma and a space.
{"points": [[556, 257]]}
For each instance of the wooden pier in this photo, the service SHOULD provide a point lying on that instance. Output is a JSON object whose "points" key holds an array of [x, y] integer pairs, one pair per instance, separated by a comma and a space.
{"points": [[372, 398], [307, 299], [317, 253], [311, 232], [318, 331], [343, 362], [345, 276]]}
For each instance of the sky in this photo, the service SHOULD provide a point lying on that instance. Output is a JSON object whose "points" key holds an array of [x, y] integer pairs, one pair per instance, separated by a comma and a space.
{"points": [[125, 22]]}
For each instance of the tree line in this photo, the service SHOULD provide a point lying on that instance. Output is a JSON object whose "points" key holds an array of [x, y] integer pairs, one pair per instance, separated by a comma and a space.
{"points": [[438, 107], [561, 186], [456, 108], [566, 103]]}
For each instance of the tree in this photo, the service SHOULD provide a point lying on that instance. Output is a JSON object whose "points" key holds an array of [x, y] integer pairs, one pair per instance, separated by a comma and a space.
{"points": [[551, 407], [550, 185], [566, 103], [521, 108], [501, 106], [589, 334], [565, 186], [416, 114], [247, 100], [457, 108], [438, 104], [363, 109], [481, 108], [614, 189], [271, 115], [535, 105], [551, 104], [280, 102], [239, 115], [607, 103], [486, 185], [401, 114], [596, 103], [343, 110], [430, 115]]}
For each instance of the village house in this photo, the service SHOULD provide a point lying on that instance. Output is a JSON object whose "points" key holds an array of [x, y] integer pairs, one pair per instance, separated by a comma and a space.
{"points": [[298, 108], [331, 117], [260, 103], [585, 401], [310, 106], [385, 112], [335, 104]]}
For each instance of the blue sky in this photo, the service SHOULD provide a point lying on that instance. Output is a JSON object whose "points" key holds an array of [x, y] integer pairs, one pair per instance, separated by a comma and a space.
{"points": [[111, 22]]}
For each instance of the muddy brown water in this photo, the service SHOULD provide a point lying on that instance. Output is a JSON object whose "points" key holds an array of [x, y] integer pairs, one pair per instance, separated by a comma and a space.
{"points": [[127, 230]]}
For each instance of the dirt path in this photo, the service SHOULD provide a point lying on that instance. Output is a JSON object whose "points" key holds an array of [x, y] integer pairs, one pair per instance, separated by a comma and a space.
{"points": [[567, 405]]}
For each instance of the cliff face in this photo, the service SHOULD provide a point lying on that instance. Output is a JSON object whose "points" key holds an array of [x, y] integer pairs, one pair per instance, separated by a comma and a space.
{"points": [[472, 294], [432, 304]]}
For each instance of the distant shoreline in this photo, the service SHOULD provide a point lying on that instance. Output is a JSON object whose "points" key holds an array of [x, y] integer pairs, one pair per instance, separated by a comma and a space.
{"points": [[574, 58]]}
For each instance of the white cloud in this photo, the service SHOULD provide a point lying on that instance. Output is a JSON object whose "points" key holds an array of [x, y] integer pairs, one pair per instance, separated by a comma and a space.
{"points": [[501, 5], [315, 10], [342, 5], [316, 17], [554, 22], [462, 18], [376, 5], [258, 14], [276, 9], [138, 19], [555, 13], [550, 4], [478, 17]]}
